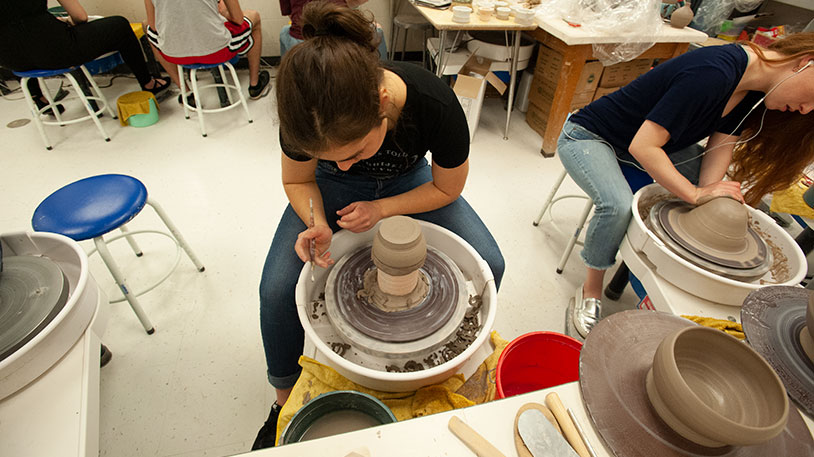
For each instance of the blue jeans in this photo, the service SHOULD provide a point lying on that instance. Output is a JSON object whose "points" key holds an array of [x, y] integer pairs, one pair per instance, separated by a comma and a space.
{"points": [[287, 42], [593, 165], [279, 323]]}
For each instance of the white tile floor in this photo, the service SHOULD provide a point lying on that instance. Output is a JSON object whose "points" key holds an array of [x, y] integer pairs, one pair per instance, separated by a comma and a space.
{"points": [[198, 386]]}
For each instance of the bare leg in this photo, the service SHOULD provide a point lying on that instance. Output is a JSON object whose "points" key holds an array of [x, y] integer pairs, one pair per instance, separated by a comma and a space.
{"points": [[170, 68], [282, 395], [256, 51], [592, 288]]}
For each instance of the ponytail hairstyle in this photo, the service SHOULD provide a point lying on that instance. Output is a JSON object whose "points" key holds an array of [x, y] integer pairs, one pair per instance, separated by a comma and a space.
{"points": [[775, 159], [328, 86]]}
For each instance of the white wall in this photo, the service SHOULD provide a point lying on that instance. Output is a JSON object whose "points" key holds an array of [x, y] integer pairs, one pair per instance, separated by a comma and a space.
{"points": [[272, 20], [807, 4]]}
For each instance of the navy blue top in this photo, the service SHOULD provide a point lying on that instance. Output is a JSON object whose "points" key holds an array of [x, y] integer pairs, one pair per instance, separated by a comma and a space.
{"points": [[686, 95]]}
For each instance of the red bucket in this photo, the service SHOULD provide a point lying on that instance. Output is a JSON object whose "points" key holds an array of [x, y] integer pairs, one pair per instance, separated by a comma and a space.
{"points": [[535, 361]]}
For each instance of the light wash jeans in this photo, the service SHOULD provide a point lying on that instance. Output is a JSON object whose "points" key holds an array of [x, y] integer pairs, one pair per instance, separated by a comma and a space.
{"points": [[287, 42], [279, 323], [592, 163]]}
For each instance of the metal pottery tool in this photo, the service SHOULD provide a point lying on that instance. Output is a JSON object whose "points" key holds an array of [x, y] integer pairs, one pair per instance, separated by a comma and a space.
{"points": [[569, 430], [312, 248], [540, 437]]}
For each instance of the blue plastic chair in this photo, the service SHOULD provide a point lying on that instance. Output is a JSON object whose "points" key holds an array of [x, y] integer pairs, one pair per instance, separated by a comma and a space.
{"points": [[196, 89], [93, 114], [93, 207]]}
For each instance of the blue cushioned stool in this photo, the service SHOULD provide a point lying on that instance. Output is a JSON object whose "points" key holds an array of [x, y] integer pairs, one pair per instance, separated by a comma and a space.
{"points": [[92, 207], [96, 96], [196, 89]]}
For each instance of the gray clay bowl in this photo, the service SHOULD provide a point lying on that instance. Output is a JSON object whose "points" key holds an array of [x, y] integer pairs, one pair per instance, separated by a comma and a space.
{"points": [[714, 390]]}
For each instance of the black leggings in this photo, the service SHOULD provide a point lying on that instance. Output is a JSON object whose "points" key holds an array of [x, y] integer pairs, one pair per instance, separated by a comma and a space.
{"points": [[45, 43]]}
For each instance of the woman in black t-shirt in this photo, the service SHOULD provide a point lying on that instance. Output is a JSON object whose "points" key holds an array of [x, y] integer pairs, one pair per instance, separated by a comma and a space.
{"points": [[31, 38], [354, 133]]}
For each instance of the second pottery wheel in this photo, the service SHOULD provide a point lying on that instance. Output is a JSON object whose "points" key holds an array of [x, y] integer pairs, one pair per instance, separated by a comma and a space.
{"points": [[613, 365], [772, 319]]}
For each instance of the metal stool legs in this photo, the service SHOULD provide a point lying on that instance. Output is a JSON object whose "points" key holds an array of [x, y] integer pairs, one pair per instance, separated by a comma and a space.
{"points": [[586, 210], [131, 298]]}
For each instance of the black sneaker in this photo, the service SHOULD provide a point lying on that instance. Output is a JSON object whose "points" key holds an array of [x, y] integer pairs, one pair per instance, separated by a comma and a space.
{"points": [[268, 432], [261, 89], [105, 356], [190, 100]]}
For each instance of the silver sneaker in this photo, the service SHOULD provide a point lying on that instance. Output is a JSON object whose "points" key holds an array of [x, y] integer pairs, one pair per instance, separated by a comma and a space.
{"points": [[586, 312]]}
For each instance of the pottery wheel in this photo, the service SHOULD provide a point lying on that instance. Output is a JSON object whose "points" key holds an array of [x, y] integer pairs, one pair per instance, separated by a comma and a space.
{"points": [[663, 222], [33, 291], [424, 327], [613, 365], [772, 319]]}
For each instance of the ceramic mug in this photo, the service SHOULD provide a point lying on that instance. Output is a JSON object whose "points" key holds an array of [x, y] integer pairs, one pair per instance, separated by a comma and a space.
{"points": [[524, 16], [502, 12], [461, 13]]}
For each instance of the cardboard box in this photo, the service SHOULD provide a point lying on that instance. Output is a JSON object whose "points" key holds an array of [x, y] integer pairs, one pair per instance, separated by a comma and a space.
{"points": [[622, 73], [602, 91], [537, 118], [470, 87], [549, 67]]}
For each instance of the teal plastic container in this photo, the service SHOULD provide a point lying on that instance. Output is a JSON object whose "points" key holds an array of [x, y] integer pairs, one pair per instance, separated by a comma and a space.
{"points": [[145, 120]]}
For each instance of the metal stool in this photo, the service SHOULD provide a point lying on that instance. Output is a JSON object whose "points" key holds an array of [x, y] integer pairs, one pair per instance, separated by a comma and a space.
{"points": [[193, 71], [94, 110], [636, 180], [407, 22], [92, 207]]}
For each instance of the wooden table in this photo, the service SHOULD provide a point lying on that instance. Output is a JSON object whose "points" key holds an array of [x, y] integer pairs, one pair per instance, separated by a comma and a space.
{"points": [[442, 21], [574, 44]]}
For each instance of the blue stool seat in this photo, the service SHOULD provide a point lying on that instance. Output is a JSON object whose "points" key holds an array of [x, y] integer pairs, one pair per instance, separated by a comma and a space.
{"points": [[204, 66], [43, 73], [91, 207]]}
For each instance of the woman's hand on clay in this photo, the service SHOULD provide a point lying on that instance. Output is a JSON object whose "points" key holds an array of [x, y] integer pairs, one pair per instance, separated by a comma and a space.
{"points": [[731, 189], [359, 216], [322, 235]]}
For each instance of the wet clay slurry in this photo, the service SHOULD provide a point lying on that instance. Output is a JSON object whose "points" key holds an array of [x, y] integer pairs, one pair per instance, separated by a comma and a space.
{"points": [[338, 422], [773, 318], [807, 334]]}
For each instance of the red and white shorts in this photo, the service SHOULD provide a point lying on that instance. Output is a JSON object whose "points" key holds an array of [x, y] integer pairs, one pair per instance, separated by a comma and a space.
{"points": [[240, 44]]}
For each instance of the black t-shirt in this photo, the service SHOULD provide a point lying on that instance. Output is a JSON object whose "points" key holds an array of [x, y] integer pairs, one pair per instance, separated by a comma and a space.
{"points": [[686, 95], [431, 120]]}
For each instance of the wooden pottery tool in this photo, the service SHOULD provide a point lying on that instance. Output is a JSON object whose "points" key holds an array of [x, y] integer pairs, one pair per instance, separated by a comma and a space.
{"points": [[540, 437], [474, 441], [522, 450], [554, 403]]}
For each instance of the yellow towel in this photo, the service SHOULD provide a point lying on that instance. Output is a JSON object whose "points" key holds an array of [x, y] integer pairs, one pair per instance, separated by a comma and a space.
{"points": [[134, 103], [450, 394], [733, 328], [791, 201]]}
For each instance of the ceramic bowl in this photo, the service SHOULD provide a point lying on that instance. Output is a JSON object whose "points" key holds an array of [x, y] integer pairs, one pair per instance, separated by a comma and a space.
{"points": [[715, 390], [486, 13], [502, 12]]}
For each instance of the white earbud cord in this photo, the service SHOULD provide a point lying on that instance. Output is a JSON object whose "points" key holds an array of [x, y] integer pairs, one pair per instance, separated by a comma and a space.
{"points": [[760, 128]]}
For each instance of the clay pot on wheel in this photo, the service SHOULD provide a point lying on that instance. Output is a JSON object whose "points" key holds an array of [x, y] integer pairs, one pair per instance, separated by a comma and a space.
{"points": [[714, 390], [399, 250]]}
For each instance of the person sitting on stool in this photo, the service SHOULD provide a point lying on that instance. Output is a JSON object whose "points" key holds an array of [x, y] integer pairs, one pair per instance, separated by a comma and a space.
{"points": [[186, 32]]}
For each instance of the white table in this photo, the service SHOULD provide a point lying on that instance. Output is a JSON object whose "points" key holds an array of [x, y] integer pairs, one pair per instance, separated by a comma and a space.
{"points": [[442, 21], [430, 436]]}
